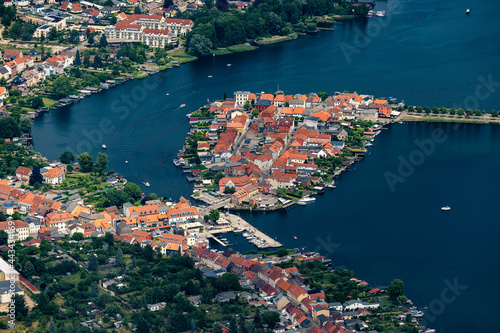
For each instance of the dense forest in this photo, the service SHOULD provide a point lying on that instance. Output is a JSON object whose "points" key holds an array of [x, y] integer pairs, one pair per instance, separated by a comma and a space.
{"points": [[220, 27]]}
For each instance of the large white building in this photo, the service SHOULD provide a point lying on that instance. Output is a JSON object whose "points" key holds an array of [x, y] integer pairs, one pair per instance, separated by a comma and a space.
{"points": [[154, 31], [20, 232]]}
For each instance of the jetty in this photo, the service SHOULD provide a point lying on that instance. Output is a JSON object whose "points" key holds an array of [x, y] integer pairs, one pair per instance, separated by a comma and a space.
{"points": [[239, 223]]}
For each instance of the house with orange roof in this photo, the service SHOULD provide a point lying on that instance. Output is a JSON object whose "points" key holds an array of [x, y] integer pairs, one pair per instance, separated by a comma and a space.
{"points": [[384, 111], [182, 214], [268, 97], [279, 179], [4, 93], [141, 211], [298, 111], [297, 293], [270, 112], [76, 8], [54, 176], [174, 239], [279, 100], [58, 220], [380, 101], [17, 228], [287, 111], [23, 173], [121, 16]]}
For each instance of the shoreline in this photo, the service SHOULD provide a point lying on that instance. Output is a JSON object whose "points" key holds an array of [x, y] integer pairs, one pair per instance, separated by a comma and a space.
{"points": [[456, 119]]}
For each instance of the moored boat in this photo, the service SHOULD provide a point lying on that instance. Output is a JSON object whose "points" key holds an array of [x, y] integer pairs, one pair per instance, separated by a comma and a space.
{"points": [[445, 208]]}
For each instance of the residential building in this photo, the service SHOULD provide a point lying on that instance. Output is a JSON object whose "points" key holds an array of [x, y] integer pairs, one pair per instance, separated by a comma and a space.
{"points": [[20, 231]]}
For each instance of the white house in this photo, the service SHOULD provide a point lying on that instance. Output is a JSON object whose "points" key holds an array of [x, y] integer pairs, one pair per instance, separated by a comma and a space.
{"points": [[241, 97]]}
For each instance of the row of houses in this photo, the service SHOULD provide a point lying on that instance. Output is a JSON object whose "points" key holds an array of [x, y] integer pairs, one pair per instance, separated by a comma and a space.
{"points": [[283, 290]]}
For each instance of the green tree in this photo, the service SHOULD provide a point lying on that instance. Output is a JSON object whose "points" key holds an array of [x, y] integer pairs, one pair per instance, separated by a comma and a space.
{"points": [[25, 123], [67, 157], [270, 319], [257, 320], [103, 42], [97, 62], [133, 190], [86, 162], [29, 269], [9, 128], [74, 36], [36, 177], [4, 237], [200, 46], [90, 38], [78, 60], [52, 327], [233, 327], [395, 289], [52, 35], [61, 87], [247, 105], [229, 189], [137, 9], [119, 257], [93, 264], [94, 289], [77, 236], [101, 163], [255, 113], [20, 306]]}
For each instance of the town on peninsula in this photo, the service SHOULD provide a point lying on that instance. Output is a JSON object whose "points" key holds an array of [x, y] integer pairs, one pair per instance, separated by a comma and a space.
{"points": [[83, 249]]}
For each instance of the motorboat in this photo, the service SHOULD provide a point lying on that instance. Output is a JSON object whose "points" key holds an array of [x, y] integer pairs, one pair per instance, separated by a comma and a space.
{"points": [[210, 76], [368, 144], [295, 237], [103, 146], [146, 183], [307, 199], [445, 208], [380, 13], [126, 162], [228, 65], [183, 105], [467, 12], [301, 203], [168, 94]]}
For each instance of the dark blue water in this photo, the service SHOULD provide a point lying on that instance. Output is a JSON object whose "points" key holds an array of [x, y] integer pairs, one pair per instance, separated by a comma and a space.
{"points": [[424, 52]]}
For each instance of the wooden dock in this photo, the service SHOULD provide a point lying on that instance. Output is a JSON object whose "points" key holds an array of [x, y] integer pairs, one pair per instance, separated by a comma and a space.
{"points": [[238, 222]]}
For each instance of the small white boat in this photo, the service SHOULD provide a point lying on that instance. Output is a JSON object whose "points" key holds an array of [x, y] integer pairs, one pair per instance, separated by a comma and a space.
{"points": [[146, 183], [210, 76], [380, 13], [167, 94], [228, 65], [301, 203], [446, 208], [467, 12], [401, 123], [103, 146], [368, 144], [126, 162], [295, 237], [183, 105], [307, 200]]}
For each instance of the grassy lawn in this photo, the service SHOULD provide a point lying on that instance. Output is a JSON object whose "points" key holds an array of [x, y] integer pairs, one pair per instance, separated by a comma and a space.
{"points": [[276, 39], [73, 278], [448, 120], [241, 48], [181, 56], [49, 101]]}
